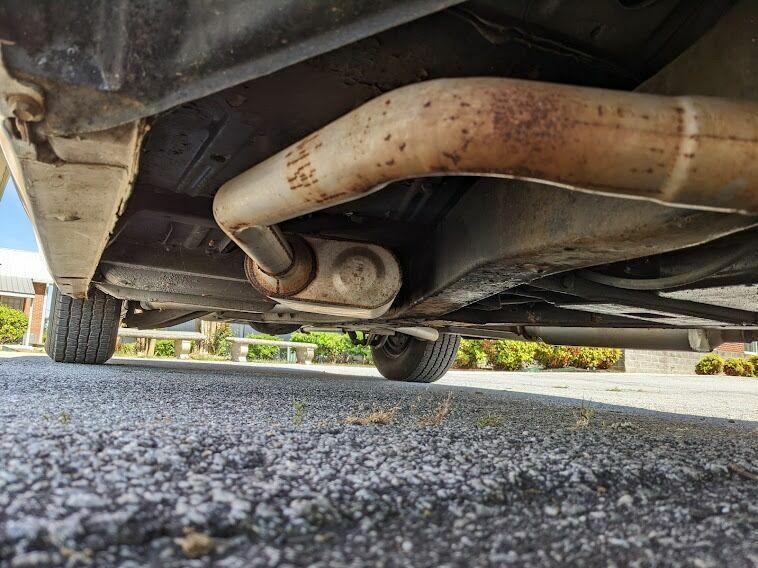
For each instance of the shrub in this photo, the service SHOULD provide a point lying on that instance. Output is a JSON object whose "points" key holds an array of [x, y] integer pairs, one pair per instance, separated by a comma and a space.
{"points": [[753, 359], [330, 347], [262, 352], [164, 348], [562, 356], [219, 344], [470, 355], [507, 355], [734, 367], [710, 365], [555, 356], [128, 349], [749, 370], [356, 353], [596, 357], [13, 324]]}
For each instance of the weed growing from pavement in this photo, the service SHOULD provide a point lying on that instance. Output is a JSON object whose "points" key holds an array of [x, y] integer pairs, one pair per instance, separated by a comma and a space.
{"points": [[195, 544], [621, 426], [490, 421], [437, 417], [64, 417], [376, 416], [299, 407], [583, 415]]}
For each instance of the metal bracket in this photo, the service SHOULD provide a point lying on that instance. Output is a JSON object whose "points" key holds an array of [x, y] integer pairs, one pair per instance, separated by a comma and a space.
{"points": [[20, 101]]}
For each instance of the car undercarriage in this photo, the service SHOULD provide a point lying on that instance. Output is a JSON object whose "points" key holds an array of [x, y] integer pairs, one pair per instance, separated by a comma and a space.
{"points": [[578, 172]]}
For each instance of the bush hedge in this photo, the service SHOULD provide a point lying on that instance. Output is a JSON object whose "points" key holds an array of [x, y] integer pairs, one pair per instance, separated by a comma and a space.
{"points": [[710, 365], [593, 358], [508, 355], [555, 356], [736, 367], [333, 347], [164, 348], [13, 324], [753, 360], [471, 355], [127, 349], [262, 352]]}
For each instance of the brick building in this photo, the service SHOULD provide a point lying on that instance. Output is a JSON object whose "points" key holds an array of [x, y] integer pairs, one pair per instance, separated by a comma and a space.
{"points": [[25, 284]]}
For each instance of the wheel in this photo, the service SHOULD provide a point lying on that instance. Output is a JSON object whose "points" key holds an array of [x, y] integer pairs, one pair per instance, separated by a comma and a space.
{"points": [[405, 358], [83, 331]]}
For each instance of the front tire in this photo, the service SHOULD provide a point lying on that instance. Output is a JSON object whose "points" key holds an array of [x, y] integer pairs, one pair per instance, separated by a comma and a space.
{"points": [[405, 358], [83, 331]]}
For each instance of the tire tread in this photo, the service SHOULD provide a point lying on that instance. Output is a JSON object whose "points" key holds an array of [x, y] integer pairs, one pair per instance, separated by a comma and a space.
{"points": [[83, 330], [434, 361]]}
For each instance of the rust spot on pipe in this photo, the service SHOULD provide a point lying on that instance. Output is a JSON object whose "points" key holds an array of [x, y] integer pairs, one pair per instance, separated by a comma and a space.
{"points": [[452, 156]]}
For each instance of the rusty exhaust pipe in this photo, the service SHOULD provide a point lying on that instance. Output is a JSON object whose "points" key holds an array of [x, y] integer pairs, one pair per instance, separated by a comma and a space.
{"points": [[695, 152]]}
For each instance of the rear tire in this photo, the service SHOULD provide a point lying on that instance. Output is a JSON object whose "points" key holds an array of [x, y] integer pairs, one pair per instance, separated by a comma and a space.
{"points": [[405, 358], [83, 331]]}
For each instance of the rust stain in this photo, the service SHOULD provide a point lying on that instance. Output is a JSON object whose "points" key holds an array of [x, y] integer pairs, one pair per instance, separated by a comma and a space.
{"points": [[300, 145], [300, 157], [452, 156]]}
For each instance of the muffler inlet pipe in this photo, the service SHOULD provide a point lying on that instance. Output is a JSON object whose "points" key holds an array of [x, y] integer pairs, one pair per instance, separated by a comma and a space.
{"points": [[690, 151]]}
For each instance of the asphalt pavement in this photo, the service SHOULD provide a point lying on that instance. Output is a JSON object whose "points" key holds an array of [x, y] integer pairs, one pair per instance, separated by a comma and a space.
{"points": [[168, 463]]}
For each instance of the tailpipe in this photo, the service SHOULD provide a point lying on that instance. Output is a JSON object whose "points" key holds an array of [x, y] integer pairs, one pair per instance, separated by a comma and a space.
{"points": [[690, 151]]}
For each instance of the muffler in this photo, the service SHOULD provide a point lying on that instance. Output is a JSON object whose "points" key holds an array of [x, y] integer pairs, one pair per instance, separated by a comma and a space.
{"points": [[695, 152]]}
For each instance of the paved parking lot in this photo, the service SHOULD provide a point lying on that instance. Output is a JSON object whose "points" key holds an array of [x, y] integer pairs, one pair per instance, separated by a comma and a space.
{"points": [[176, 464]]}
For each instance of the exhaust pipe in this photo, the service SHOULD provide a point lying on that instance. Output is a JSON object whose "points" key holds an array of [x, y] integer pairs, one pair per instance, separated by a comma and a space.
{"points": [[690, 151], [700, 340]]}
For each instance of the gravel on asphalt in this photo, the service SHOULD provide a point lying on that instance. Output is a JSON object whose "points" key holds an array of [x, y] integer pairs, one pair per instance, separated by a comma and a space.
{"points": [[168, 464]]}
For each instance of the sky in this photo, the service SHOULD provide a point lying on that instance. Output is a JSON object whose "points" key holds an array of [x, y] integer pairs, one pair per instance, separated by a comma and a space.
{"points": [[15, 229]]}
